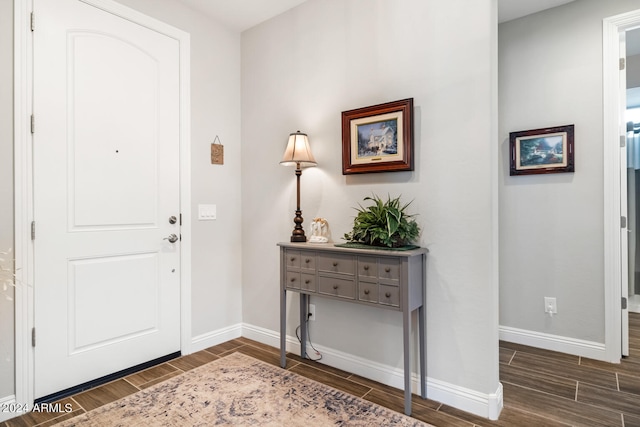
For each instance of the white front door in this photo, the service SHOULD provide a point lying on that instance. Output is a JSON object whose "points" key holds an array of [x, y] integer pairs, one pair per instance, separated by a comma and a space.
{"points": [[106, 183]]}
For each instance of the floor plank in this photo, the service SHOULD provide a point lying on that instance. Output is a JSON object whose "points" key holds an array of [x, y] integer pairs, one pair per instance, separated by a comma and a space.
{"points": [[194, 360], [331, 380], [604, 398], [142, 378], [561, 387], [554, 368], [630, 383], [559, 409], [107, 393]]}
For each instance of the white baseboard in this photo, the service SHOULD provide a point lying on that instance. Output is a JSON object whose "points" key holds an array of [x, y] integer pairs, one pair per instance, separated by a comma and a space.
{"points": [[266, 336], [215, 337], [484, 405], [588, 349]]}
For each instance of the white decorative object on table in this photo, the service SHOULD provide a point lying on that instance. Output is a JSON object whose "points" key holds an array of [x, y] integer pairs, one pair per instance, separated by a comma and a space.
{"points": [[319, 231]]}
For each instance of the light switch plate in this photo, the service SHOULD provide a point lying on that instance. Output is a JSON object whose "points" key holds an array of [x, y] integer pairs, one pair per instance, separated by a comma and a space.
{"points": [[206, 212]]}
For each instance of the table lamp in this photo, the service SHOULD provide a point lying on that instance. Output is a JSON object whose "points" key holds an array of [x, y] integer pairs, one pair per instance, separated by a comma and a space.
{"points": [[298, 153]]}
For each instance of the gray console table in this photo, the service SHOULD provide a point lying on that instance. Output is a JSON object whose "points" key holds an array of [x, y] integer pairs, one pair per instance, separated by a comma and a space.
{"points": [[379, 278]]}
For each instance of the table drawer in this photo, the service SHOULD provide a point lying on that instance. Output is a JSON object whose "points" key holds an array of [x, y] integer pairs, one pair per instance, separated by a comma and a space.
{"points": [[292, 280], [367, 267], [308, 282], [343, 288], [336, 263], [389, 269], [368, 292], [389, 295], [300, 259], [307, 260], [292, 258], [372, 268]]}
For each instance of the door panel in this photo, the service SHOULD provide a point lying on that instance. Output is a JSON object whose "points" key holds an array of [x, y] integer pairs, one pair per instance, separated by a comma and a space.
{"points": [[97, 285], [106, 180], [98, 147]]}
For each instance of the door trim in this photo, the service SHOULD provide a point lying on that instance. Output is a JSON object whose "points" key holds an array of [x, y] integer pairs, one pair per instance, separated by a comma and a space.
{"points": [[23, 202], [23, 215], [612, 27]]}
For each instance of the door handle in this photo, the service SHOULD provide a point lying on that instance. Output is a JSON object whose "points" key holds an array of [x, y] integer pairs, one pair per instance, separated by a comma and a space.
{"points": [[172, 238]]}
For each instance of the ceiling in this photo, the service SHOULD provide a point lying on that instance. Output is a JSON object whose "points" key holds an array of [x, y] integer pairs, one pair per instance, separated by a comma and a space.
{"points": [[513, 9], [240, 15]]}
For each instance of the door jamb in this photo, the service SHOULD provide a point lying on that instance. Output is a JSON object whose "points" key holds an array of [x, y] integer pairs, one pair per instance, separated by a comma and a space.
{"points": [[612, 27], [23, 215], [23, 202]]}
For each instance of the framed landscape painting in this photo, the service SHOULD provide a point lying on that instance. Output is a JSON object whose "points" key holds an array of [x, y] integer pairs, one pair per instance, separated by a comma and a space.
{"points": [[378, 138], [540, 151]]}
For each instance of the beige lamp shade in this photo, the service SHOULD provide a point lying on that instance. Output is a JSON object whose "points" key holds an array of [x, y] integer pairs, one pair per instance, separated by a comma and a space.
{"points": [[298, 151]]}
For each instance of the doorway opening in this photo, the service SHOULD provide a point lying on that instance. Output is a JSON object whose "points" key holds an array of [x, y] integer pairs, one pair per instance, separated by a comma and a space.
{"points": [[632, 118]]}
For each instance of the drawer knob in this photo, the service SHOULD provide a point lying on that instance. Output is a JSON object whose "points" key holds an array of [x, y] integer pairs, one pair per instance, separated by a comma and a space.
{"points": [[307, 260], [293, 279], [366, 291], [387, 294], [335, 287], [366, 267], [387, 269], [292, 259], [306, 282], [335, 263]]}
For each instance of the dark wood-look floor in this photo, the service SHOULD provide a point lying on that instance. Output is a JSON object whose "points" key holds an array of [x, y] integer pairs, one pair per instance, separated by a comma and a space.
{"points": [[541, 388]]}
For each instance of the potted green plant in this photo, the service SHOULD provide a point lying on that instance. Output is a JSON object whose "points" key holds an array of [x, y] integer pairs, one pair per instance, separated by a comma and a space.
{"points": [[384, 223]]}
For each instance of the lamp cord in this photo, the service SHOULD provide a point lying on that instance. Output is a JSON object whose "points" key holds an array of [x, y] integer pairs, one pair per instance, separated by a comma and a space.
{"points": [[306, 355]]}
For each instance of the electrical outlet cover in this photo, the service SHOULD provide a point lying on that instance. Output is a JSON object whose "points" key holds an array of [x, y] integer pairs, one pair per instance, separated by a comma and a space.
{"points": [[550, 305]]}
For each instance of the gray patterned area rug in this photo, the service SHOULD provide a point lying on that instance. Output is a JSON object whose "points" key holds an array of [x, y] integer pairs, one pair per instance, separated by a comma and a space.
{"points": [[240, 390]]}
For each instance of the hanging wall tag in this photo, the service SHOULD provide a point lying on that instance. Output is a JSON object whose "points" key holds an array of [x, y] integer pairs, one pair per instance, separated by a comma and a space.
{"points": [[217, 152]]}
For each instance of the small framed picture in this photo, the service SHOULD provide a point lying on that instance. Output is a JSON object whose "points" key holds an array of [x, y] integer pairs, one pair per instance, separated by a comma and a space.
{"points": [[378, 138], [539, 151]]}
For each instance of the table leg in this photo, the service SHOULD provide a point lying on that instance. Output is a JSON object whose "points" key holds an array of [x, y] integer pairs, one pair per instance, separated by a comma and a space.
{"points": [[406, 331], [283, 328], [304, 304], [422, 334]]}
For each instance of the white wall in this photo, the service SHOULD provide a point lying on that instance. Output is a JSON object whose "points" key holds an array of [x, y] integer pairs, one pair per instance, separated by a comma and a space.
{"points": [[551, 226], [299, 71], [215, 110], [6, 193], [633, 68]]}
